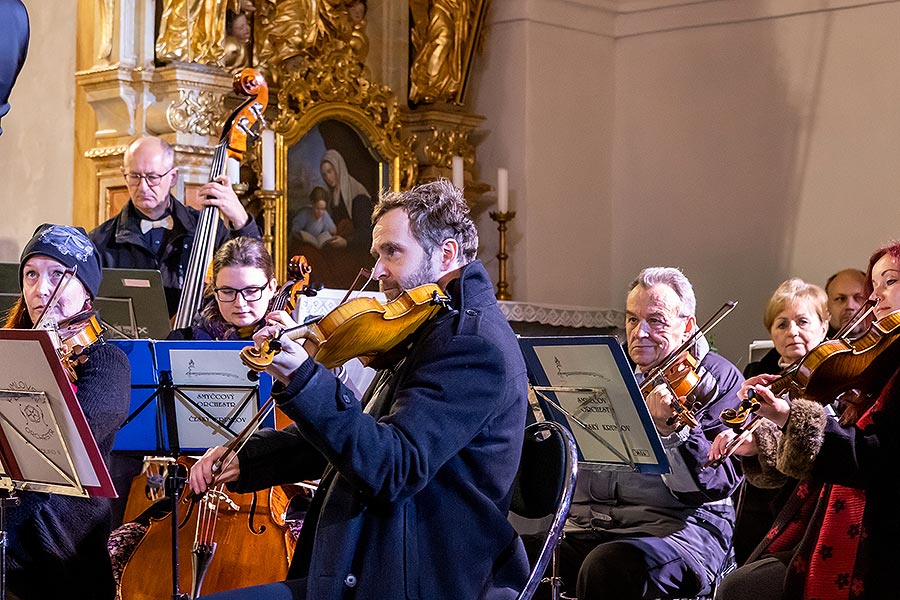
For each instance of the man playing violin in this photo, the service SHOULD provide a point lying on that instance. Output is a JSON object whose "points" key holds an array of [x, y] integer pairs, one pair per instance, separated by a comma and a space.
{"points": [[414, 500], [836, 538], [648, 536], [156, 231]]}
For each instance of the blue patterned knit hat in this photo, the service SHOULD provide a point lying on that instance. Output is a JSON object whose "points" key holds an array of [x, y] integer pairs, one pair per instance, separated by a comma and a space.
{"points": [[70, 246]]}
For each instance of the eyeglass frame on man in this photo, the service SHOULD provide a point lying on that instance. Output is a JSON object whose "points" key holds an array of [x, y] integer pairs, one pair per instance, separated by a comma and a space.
{"points": [[257, 291], [145, 177]]}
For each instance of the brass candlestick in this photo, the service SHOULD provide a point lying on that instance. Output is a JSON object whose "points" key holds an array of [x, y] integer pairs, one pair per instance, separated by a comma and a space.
{"points": [[271, 207], [502, 219]]}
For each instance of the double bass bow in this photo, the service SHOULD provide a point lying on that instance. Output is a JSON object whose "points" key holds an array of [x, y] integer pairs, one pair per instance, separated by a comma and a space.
{"points": [[238, 128]]}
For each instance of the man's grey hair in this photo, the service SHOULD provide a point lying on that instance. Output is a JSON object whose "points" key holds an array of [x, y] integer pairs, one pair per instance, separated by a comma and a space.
{"points": [[673, 278]]}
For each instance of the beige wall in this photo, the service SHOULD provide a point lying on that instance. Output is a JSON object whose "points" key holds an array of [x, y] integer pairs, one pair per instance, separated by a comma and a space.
{"points": [[36, 163], [743, 140]]}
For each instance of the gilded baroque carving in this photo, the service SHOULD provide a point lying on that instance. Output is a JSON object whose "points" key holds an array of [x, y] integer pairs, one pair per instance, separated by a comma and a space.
{"points": [[107, 14], [443, 36], [290, 33], [197, 111], [444, 144], [328, 78], [193, 30]]}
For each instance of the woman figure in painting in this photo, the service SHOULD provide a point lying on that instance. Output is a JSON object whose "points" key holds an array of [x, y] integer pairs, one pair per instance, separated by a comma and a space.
{"points": [[57, 544], [349, 205], [243, 286]]}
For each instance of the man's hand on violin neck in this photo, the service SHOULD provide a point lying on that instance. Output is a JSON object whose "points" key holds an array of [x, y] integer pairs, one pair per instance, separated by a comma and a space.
{"points": [[659, 402], [288, 360]]}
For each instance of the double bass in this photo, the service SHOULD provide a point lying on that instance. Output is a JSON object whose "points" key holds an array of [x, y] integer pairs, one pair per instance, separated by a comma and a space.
{"points": [[252, 525], [238, 129]]}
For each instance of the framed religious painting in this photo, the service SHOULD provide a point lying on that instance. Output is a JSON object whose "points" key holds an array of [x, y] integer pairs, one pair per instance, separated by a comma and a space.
{"points": [[333, 182], [332, 162]]}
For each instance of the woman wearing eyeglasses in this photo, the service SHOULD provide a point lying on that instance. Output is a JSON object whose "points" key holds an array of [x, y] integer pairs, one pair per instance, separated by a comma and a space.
{"points": [[243, 286]]}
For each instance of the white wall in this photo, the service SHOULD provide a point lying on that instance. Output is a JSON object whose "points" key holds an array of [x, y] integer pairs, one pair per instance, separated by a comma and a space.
{"points": [[745, 141], [749, 150], [36, 163], [545, 84]]}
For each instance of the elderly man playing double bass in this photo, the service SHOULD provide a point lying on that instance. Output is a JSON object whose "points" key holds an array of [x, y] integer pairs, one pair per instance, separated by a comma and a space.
{"points": [[632, 536], [156, 231]]}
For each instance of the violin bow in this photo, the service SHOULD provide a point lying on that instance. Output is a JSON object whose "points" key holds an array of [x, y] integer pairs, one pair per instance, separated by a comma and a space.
{"points": [[714, 320], [362, 272], [68, 275]]}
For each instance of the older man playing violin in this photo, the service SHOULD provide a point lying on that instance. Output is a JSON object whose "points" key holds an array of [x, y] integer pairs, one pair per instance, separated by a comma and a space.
{"points": [[414, 500], [631, 535]]}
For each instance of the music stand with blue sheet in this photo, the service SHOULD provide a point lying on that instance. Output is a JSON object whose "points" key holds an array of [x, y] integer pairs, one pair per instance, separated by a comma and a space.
{"points": [[586, 383], [188, 396]]}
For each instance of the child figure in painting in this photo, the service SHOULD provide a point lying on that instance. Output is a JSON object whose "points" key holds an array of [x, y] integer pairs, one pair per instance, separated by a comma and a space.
{"points": [[313, 223]]}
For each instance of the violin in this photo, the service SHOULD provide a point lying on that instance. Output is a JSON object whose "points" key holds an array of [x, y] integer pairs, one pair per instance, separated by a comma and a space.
{"points": [[76, 334], [72, 336], [679, 372], [832, 367], [362, 328]]}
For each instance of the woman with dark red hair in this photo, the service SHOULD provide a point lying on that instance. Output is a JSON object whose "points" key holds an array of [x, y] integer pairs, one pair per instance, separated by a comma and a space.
{"points": [[837, 537]]}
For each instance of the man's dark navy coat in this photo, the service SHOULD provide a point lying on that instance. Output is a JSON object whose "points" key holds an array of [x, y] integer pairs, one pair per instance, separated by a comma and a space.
{"points": [[413, 504]]}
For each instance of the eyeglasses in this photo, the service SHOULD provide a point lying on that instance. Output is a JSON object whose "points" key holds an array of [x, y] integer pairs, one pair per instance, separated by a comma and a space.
{"points": [[250, 294], [152, 179]]}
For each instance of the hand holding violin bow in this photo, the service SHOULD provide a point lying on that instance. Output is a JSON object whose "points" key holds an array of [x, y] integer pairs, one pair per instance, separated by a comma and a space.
{"points": [[669, 387], [760, 402]]}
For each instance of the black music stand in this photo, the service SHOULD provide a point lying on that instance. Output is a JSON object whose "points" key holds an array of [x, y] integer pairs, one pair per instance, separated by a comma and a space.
{"points": [[46, 444], [132, 304]]}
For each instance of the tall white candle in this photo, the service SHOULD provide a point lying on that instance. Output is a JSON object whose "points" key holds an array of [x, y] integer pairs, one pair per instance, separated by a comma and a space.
{"points": [[233, 170], [268, 159], [458, 177], [502, 190]]}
